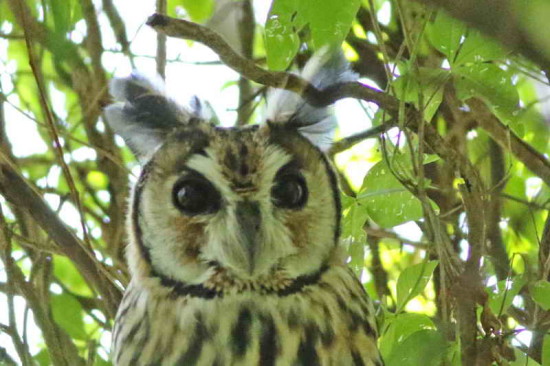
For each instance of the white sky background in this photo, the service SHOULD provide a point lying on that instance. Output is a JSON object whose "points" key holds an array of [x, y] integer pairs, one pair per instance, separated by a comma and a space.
{"points": [[184, 79]]}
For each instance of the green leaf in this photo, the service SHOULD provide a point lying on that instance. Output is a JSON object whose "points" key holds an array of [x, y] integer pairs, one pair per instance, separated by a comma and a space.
{"points": [[412, 281], [424, 86], [101, 362], [522, 359], [533, 16], [67, 273], [61, 11], [355, 216], [425, 347], [453, 355], [97, 179], [43, 357], [515, 187], [281, 38], [37, 171], [354, 221], [67, 312], [478, 48], [5, 13], [492, 84], [346, 201], [460, 44], [380, 117], [328, 21], [398, 327], [356, 252], [445, 34], [501, 298], [540, 291], [25, 84], [198, 11], [546, 350], [387, 201]]}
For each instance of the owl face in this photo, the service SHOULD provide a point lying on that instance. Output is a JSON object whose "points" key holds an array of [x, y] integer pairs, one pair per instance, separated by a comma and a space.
{"points": [[250, 201]]}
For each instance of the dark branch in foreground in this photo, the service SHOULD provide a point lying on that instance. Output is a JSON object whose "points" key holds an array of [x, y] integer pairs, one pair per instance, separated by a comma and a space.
{"points": [[18, 192], [180, 28], [347, 142], [187, 30]]}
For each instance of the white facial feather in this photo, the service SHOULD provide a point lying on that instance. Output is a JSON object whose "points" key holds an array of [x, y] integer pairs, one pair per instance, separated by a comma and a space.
{"points": [[164, 243], [225, 240], [209, 167], [144, 117]]}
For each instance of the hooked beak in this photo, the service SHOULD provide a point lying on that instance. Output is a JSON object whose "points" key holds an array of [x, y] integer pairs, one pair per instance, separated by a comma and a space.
{"points": [[249, 220]]}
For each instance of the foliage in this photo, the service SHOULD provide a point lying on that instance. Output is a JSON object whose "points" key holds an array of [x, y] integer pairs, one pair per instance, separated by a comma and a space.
{"points": [[448, 211]]}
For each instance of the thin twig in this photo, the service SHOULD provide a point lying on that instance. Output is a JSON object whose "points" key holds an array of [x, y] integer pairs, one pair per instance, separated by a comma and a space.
{"points": [[246, 35], [161, 43], [507, 139], [531, 205], [17, 191], [350, 141], [180, 28], [5, 255], [118, 28], [52, 128]]}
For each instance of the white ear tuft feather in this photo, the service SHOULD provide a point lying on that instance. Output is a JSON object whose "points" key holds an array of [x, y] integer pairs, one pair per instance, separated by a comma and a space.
{"points": [[119, 87], [144, 115], [325, 68]]}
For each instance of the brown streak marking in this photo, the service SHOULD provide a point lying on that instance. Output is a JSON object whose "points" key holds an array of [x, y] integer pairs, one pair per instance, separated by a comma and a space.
{"points": [[230, 160], [297, 222], [191, 236]]}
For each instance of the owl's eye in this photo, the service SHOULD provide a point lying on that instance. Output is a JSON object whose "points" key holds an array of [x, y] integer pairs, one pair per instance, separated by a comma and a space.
{"points": [[289, 191], [194, 195]]}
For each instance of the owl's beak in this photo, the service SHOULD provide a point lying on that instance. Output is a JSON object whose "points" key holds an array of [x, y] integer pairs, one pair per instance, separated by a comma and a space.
{"points": [[249, 219]]}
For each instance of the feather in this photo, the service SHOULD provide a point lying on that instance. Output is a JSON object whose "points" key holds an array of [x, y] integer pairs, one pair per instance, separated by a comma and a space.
{"points": [[143, 115], [325, 68]]}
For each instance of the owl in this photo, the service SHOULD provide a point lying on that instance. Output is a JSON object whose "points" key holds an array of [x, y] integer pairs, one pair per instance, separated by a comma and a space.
{"points": [[234, 235]]}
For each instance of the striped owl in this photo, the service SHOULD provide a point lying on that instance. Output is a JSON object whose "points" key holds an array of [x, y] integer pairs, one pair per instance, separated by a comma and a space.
{"points": [[234, 236]]}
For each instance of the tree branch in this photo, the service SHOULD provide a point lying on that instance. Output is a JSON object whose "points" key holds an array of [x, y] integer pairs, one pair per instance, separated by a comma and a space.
{"points": [[161, 43], [118, 28], [348, 142], [180, 28], [507, 139], [93, 42], [496, 248], [62, 350], [18, 192], [246, 33]]}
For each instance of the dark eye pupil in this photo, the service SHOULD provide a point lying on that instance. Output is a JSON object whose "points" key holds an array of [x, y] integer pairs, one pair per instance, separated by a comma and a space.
{"points": [[289, 192], [189, 196], [195, 196]]}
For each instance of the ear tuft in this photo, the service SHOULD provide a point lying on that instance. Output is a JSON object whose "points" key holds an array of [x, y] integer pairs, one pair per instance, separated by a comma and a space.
{"points": [[136, 85], [144, 115], [204, 110], [325, 68]]}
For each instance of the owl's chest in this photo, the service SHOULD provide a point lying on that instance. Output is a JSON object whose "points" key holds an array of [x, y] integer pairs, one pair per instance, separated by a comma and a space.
{"points": [[319, 326]]}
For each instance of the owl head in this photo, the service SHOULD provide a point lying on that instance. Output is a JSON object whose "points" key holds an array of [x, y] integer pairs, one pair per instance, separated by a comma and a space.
{"points": [[253, 201]]}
